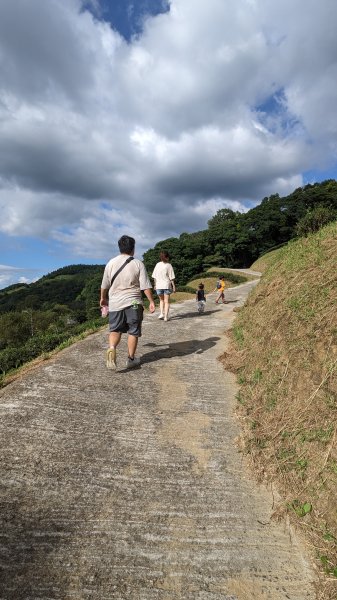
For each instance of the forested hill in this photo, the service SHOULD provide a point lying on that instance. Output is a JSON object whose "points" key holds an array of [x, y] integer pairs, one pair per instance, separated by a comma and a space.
{"points": [[72, 290], [235, 239], [36, 318]]}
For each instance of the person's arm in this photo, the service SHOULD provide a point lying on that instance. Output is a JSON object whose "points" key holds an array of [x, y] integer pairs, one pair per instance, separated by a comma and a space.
{"points": [[105, 287], [148, 294], [172, 277], [104, 297]]}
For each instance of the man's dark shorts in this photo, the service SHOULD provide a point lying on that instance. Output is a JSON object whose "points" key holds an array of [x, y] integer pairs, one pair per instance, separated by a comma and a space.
{"points": [[127, 320]]}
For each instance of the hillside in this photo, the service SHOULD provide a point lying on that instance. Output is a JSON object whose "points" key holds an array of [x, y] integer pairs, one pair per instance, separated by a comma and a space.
{"points": [[37, 318], [69, 286], [285, 342]]}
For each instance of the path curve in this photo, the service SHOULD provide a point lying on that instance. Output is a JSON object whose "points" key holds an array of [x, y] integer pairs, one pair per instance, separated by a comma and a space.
{"points": [[128, 485]]}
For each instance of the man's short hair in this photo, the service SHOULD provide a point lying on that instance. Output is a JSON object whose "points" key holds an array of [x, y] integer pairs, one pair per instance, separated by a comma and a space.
{"points": [[126, 244]]}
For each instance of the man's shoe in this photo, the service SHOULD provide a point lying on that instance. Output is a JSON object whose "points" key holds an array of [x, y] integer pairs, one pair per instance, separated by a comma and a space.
{"points": [[111, 358], [161, 316], [132, 362]]}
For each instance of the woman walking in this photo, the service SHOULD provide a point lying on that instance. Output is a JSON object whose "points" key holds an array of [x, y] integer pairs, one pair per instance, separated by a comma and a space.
{"points": [[164, 277]]}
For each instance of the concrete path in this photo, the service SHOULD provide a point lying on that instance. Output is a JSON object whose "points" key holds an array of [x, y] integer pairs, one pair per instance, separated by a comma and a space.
{"points": [[247, 271], [128, 485]]}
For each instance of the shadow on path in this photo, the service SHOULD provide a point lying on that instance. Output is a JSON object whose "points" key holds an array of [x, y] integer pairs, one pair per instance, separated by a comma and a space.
{"points": [[191, 314], [178, 349]]}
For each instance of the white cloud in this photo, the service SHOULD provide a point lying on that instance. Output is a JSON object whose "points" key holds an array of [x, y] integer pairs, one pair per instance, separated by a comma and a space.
{"points": [[10, 275], [98, 136]]}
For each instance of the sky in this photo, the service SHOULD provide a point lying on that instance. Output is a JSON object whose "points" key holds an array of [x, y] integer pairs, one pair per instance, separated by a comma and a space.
{"points": [[145, 117]]}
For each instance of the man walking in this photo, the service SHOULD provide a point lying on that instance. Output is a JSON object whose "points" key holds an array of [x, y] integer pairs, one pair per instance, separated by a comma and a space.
{"points": [[124, 279]]}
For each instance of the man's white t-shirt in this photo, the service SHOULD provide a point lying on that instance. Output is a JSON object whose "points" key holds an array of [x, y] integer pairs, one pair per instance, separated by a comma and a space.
{"points": [[163, 274], [128, 284]]}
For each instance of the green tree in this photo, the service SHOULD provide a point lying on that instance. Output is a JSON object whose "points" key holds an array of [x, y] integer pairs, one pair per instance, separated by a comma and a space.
{"points": [[314, 219]]}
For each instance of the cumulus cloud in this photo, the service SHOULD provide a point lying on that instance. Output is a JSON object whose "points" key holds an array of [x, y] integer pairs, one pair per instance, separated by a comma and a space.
{"points": [[213, 105], [9, 275]]}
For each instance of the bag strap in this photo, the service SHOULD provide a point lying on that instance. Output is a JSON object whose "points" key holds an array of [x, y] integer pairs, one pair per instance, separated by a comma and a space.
{"points": [[120, 269]]}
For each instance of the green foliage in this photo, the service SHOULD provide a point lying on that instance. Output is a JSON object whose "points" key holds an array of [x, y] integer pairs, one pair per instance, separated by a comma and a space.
{"points": [[186, 254], [236, 239], [315, 219], [40, 343], [301, 509], [37, 318], [90, 295], [238, 335], [62, 287], [232, 277], [329, 568]]}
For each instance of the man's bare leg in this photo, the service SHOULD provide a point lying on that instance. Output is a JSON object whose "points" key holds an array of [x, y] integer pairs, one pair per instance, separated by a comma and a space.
{"points": [[114, 339], [132, 345]]}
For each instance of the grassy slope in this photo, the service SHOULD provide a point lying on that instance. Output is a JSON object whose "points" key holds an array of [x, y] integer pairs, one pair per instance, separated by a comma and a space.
{"points": [[286, 341]]}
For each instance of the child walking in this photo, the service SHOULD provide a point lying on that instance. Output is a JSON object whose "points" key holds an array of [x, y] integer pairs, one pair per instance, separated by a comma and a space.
{"points": [[220, 288], [200, 298]]}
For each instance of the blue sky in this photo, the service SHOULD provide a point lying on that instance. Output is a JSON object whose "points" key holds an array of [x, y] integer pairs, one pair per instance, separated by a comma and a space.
{"points": [[146, 117], [128, 17]]}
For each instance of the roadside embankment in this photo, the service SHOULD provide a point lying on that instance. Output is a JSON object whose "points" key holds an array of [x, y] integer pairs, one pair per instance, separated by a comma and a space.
{"points": [[286, 360]]}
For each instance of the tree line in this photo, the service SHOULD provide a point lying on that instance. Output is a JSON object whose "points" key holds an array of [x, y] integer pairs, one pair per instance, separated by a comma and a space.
{"points": [[236, 240]]}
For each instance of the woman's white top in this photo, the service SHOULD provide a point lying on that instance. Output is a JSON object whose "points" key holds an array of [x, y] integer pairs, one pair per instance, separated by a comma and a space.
{"points": [[163, 274]]}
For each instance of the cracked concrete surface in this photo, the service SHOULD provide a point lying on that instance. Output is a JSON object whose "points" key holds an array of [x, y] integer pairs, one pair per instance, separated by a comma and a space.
{"points": [[129, 485]]}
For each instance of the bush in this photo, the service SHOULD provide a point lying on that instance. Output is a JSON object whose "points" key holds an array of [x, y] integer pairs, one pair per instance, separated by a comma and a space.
{"points": [[315, 219], [12, 358], [228, 276]]}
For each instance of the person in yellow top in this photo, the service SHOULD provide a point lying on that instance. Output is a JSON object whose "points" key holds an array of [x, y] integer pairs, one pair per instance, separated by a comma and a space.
{"points": [[220, 290]]}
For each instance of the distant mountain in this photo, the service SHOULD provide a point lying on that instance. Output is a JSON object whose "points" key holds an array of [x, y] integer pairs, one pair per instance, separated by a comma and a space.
{"points": [[75, 286]]}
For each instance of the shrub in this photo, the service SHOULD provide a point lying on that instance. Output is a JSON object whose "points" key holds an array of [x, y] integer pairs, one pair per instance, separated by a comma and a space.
{"points": [[314, 219]]}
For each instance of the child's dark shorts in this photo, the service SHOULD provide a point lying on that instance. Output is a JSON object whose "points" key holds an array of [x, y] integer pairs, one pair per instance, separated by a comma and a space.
{"points": [[127, 320]]}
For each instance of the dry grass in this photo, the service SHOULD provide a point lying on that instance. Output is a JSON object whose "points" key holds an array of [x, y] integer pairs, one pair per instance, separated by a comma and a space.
{"points": [[210, 282], [263, 263], [181, 296], [224, 270], [286, 358]]}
